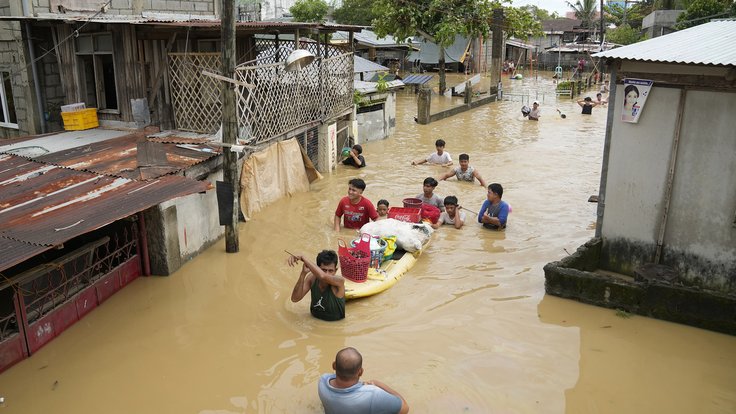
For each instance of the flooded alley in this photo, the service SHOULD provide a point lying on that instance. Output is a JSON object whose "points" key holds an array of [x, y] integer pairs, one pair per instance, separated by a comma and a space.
{"points": [[467, 330]]}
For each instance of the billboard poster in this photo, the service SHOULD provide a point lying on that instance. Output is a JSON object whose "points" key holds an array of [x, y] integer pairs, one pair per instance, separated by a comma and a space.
{"points": [[635, 96]]}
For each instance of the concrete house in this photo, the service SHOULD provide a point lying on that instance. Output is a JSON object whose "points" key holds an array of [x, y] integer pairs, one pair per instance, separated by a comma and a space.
{"points": [[666, 229], [83, 213]]}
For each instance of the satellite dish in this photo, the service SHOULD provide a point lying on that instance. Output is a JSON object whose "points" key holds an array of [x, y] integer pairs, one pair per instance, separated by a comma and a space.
{"points": [[298, 59]]}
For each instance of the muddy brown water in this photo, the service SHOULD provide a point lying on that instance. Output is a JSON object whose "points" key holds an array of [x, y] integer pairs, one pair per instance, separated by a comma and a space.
{"points": [[468, 329]]}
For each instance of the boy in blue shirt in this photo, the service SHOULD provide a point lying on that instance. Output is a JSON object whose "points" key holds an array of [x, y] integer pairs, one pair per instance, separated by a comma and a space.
{"points": [[494, 211]]}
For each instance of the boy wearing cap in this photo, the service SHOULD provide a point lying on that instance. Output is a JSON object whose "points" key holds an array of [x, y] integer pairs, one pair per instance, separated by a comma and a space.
{"points": [[534, 113]]}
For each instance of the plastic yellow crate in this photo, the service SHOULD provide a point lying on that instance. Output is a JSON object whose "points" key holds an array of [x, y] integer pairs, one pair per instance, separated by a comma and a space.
{"points": [[79, 120]]}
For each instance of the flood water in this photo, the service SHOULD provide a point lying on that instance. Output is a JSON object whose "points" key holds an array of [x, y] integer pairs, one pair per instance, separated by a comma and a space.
{"points": [[467, 330]]}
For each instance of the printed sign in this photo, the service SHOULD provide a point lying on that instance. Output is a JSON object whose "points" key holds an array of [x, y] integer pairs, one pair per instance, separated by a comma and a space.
{"points": [[635, 95], [332, 137]]}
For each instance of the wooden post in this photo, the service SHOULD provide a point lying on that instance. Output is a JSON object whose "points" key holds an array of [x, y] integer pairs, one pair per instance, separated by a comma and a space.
{"points": [[468, 99], [496, 50], [230, 122], [423, 105]]}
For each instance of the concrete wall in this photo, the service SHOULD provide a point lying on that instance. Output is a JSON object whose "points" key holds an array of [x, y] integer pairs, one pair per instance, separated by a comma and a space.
{"points": [[179, 229], [13, 59], [700, 236], [378, 124]]}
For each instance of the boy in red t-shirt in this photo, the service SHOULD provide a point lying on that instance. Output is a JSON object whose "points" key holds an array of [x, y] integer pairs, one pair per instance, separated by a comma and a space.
{"points": [[357, 209]]}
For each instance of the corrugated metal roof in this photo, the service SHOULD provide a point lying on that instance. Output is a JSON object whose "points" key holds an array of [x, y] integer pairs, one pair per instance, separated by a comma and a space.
{"points": [[707, 44], [371, 39], [370, 87], [13, 252], [417, 79], [429, 52], [102, 153], [118, 157], [364, 65], [43, 205], [177, 20]]}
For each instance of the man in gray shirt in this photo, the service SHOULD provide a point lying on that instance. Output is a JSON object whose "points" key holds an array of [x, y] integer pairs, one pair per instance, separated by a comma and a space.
{"points": [[343, 392]]}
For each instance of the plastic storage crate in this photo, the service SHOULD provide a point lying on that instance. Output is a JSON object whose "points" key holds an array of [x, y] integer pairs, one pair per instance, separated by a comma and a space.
{"points": [[80, 120], [411, 215]]}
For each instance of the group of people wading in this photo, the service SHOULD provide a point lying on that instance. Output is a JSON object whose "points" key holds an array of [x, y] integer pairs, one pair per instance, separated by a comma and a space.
{"points": [[343, 391]]}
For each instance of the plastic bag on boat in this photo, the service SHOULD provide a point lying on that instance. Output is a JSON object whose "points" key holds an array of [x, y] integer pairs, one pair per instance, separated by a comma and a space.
{"points": [[390, 247]]}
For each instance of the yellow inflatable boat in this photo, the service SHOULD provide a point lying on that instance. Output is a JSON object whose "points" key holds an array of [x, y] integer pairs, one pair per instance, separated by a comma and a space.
{"points": [[384, 277]]}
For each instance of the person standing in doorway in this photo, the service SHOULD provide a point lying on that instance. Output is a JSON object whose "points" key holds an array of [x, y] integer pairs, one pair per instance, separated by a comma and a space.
{"points": [[343, 392]]}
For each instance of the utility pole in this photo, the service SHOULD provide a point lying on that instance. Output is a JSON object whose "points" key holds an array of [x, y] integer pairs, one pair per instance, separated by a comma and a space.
{"points": [[230, 121], [602, 26]]}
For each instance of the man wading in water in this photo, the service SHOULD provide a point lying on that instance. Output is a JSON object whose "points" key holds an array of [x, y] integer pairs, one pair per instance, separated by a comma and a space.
{"points": [[494, 211], [327, 288]]}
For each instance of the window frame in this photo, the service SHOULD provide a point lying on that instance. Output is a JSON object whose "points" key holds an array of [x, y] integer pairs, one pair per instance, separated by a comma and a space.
{"points": [[4, 101], [97, 70]]}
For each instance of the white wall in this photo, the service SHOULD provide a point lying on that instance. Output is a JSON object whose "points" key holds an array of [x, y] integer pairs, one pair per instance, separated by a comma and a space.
{"points": [[700, 236], [197, 224]]}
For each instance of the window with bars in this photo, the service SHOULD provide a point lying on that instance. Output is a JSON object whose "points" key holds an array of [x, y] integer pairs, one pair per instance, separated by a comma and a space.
{"points": [[97, 71], [8, 117]]}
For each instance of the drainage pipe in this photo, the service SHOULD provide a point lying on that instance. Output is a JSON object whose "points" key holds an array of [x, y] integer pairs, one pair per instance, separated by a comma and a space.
{"points": [[32, 55], [670, 177], [606, 150]]}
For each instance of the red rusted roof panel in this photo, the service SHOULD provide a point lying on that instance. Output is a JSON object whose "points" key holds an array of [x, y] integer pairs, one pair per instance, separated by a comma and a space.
{"points": [[45, 205], [13, 252], [118, 157]]}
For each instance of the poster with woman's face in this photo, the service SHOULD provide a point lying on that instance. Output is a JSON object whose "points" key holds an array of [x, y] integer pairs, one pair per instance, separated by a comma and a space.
{"points": [[635, 95]]}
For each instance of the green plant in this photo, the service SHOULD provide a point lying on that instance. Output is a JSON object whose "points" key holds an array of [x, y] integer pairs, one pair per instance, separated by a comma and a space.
{"points": [[564, 85], [623, 314], [382, 84], [357, 98]]}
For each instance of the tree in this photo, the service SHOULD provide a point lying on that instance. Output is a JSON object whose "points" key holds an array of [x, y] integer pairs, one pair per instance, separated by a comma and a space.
{"points": [[624, 35], [436, 20], [618, 16], [309, 10], [525, 24], [539, 14], [701, 11], [585, 11], [358, 12]]}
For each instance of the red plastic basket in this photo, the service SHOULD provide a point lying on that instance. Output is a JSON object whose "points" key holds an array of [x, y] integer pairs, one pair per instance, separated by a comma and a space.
{"points": [[411, 215], [354, 262], [412, 202]]}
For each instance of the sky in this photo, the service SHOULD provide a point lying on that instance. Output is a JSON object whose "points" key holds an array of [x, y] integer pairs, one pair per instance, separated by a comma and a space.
{"points": [[559, 6]]}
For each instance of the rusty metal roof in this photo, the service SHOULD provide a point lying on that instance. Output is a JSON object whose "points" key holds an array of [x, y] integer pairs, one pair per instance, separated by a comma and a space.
{"points": [[118, 157], [13, 252], [179, 20], [44, 205]]}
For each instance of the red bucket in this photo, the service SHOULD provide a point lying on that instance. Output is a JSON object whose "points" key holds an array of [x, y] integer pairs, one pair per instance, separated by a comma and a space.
{"points": [[412, 203]]}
